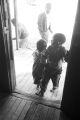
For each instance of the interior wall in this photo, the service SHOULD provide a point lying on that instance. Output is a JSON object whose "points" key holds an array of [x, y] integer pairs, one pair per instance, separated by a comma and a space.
{"points": [[71, 100]]}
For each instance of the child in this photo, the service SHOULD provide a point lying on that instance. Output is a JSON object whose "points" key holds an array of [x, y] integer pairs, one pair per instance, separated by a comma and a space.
{"points": [[22, 34], [39, 62], [55, 54]]}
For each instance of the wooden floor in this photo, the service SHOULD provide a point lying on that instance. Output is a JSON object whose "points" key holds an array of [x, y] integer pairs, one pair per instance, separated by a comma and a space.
{"points": [[24, 81], [17, 107]]}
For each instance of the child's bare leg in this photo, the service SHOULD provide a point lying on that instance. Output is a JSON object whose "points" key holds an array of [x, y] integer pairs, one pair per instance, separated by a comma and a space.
{"points": [[55, 81], [43, 86]]}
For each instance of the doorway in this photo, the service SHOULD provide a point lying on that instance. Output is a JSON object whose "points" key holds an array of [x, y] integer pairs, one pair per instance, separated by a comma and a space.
{"points": [[62, 20]]}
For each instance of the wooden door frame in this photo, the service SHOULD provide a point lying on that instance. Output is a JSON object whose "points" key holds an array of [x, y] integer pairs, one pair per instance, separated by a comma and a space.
{"points": [[9, 69], [16, 26], [70, 103]]}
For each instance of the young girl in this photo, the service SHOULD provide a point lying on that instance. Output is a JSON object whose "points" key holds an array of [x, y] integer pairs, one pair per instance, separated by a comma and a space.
{"points": [[39, 62]]}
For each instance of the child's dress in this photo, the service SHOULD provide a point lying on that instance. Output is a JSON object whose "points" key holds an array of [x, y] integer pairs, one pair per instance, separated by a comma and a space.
{"points": [[38, 66]]}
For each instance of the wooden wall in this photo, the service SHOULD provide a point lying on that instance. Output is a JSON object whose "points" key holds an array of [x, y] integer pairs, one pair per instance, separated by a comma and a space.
{"points": [[4, 78], [71, 94]]}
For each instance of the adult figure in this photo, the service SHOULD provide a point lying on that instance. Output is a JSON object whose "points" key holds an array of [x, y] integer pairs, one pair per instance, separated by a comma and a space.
{"points": [[22, 34], [44, 22]]}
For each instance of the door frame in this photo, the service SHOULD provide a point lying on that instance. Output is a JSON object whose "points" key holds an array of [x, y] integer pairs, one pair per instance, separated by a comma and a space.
{"points": [[7, 46]]}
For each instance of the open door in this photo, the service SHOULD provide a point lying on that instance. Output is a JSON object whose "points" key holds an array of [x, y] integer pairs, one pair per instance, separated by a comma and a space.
{"points": [[8, 51], [23, 57]]}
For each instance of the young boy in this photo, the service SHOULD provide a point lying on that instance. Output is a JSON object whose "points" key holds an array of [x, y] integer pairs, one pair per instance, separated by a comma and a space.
{"points": [[39, 62], [55, 55]]}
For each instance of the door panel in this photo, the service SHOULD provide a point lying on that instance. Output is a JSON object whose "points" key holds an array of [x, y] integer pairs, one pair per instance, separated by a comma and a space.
{"points": [[6, 27]]}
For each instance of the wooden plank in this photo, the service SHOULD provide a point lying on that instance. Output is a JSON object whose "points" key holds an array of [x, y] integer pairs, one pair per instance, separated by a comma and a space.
{"points": [[25, 110], [10, 104], [7, 108], [19, 110], [26, 82], [56, 114], [37, 99], [29, 87], [50, 114], [13, 109], [20, 95], [59, 115], [23, 82], [40, 113], [4, 103], [21, 77], [31, 111]]}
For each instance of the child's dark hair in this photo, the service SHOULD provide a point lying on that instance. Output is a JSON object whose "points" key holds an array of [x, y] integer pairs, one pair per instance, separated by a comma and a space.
{"points": [[41, 45], [58, 38]]}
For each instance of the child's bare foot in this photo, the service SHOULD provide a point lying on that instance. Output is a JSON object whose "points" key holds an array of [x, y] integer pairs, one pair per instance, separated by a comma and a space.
{"points": [[40, 94], [53, 89]]}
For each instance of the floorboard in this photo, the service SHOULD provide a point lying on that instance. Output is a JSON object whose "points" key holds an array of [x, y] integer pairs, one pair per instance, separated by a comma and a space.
{"points": [[13, 109], [31, 112], [4, 103], [39, 100], [25, 110], [7, 108], [41, 112], [17, 108]]}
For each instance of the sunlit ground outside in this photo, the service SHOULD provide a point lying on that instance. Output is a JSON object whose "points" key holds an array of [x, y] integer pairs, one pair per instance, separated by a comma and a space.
{"points": [[62, 18]]}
